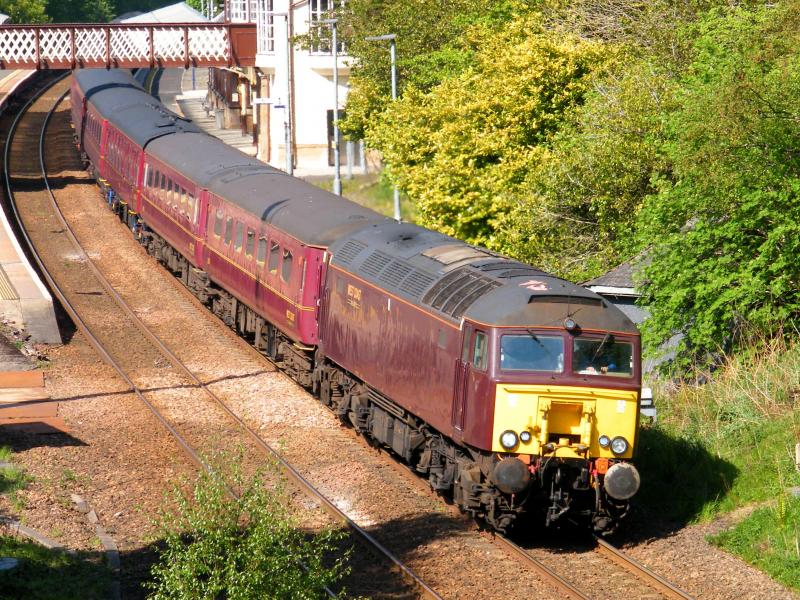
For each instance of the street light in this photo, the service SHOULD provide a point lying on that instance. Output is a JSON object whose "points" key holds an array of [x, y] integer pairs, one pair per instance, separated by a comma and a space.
{"points": [[392, 39], [337, 175], [263, 16]]}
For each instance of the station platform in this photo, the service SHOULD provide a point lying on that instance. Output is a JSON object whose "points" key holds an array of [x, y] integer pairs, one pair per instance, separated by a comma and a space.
{"points": [[25, 302]]}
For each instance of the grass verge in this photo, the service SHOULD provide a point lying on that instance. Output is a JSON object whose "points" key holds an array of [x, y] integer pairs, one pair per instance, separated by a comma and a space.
{"points": [[12, 479], [44, 574], [730, 444], [372, 191]]}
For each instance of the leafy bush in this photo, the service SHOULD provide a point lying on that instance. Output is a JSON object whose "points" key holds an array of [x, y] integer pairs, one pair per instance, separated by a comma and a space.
{"points": [[725, 223], [247, 547]]}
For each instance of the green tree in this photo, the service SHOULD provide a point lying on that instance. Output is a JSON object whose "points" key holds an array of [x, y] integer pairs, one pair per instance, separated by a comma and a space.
{"points": [[243, 548], [431, 46], [575, 214], [463, 149], [79, 11], [724, 227], [25, 11]]}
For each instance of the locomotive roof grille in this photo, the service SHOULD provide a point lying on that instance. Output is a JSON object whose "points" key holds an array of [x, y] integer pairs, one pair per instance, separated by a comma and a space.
{"points": [[440, 286], [458, 303], [394, 273], [350, 251], [375, 263], [416, 283]]}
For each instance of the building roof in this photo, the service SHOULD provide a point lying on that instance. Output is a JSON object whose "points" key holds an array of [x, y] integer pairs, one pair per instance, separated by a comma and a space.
{"points": [[620, 276], [175, 13]]}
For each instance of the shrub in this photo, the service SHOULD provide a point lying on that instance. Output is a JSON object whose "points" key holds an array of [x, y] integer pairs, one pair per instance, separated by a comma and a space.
{"points": [[240, 545]]}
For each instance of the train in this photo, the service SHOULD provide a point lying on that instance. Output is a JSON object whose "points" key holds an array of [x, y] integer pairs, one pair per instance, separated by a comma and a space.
{"points": [[514, 392]]}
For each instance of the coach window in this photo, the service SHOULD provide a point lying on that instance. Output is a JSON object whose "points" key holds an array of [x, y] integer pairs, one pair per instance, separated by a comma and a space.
{"points": [[184, 202], [251, 242], [274, 256], [239, 236], [262, 250], [228, 230], [163, 194], [286, 267], [479, 351], [192, 208], [220, 217]]}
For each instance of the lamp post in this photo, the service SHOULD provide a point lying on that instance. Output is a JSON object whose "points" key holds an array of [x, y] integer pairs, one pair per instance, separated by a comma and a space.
{"points": [[392, 39], [262, 18], [337, 166]]}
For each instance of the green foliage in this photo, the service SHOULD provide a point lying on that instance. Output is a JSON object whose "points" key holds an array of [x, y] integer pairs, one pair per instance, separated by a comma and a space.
{"points": [[462, 150], [372, 191], [44, 574], [431, 46], [769, 538], [25, 11], [79, 11], [726, 444], [580, 200], [239, 548], [725, 223], [124, 6]]}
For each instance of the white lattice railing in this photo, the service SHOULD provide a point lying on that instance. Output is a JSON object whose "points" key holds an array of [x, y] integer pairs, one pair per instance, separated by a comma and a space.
{"points": [[139, 45]]}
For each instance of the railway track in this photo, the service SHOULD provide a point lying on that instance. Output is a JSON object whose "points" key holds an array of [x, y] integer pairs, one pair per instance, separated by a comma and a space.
{"points": [[660, 587], [87, 296]]}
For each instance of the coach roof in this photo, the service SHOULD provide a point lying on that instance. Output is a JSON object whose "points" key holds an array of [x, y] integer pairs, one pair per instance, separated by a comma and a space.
{"points": [[310, 214], [120, 100]]}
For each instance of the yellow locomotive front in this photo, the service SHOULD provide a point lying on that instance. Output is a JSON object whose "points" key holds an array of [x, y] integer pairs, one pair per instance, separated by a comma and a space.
{"points": [[564, 402], [576, 432]]}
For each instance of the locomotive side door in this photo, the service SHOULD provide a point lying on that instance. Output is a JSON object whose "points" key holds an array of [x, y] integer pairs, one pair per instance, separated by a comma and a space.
{"points": [[470, 374], [462, 379]]}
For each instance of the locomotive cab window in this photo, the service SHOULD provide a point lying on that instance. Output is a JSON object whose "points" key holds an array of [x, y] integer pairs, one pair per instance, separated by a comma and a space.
{"points": [[229, 230], [606, 357], [251, 242], [262, 250], [220, 218], [479, 350], [239, 237], [274, 257], [532, 352], [286, 267]]}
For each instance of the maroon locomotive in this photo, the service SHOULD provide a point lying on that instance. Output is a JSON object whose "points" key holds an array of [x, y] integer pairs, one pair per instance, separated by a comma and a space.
{"points": [[510, 389]]}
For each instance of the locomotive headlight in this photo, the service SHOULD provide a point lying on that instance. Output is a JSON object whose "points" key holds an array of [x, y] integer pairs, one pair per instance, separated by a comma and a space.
{"points": [[509, 440], [604, 441], [525, 436], [619, 445]]}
